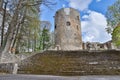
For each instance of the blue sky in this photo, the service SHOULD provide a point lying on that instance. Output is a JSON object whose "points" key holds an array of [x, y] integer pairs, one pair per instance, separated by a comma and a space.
{"points": [[92, 12]]}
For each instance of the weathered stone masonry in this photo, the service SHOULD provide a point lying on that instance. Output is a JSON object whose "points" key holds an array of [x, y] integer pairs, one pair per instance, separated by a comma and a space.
{"points": [[68, 29]]}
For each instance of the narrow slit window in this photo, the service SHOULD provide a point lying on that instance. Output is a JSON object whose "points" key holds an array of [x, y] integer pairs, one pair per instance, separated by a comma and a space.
{"points": [[78, 18], [55, 26], [77, 27]]}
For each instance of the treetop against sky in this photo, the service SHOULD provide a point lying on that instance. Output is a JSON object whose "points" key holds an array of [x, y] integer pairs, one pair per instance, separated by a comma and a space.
{"points": [[92, 12]]}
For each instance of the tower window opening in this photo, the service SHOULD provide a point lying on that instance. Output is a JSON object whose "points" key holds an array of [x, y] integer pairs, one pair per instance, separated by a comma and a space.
{"points": [[78, 18], [68, 23], [77, 27], [55, 26]]}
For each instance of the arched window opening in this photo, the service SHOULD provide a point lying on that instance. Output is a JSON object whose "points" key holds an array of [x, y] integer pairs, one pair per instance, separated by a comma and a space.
{"points": [[68, 23]]}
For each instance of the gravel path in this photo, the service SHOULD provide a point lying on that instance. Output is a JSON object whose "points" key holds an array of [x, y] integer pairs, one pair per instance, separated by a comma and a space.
{"points": [[47, 77]]}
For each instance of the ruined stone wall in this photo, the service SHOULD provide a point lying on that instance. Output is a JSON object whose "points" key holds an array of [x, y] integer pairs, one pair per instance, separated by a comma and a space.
{"points": [[68, 29], [106, 62], [6, 67], [72, 63], [99, 46]]}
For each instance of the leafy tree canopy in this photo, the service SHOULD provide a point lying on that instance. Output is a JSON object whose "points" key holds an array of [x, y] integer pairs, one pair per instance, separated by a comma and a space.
{"points": [[116, 35], [113, 16]]}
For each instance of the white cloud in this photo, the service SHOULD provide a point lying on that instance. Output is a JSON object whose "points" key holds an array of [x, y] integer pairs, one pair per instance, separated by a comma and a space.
{"points": [[63, 5], [93, 27], [79, 4], [89, 38], [85, 17], [98, 0]]}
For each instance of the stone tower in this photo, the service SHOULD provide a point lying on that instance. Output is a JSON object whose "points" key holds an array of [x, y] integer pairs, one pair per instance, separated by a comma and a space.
{"points": [[68, 29]]}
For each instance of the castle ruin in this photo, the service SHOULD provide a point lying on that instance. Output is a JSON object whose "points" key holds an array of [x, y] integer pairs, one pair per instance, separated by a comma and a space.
{"points": [[68, 29], [68, 34]]}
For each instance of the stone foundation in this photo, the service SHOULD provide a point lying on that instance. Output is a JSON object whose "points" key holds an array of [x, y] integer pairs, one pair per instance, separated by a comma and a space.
{"points": [[72, 63]]}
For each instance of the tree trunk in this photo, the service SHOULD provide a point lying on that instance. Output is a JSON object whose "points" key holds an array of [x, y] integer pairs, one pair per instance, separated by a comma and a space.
{"points": [[18, 30], [35, 44], [29, 40], [5, 55], [3, 25], [1, 3]]}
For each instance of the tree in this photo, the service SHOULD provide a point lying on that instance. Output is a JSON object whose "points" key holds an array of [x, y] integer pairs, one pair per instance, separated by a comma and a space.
{"points": [[113, 20], [45, 35], [3, 22], [45, 38], [1, 3], [23, 29], [17, 10], [113, 16], [116, 35], [29, 29]]}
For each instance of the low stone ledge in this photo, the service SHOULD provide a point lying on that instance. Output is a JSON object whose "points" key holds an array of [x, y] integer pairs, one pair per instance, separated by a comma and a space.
{"points": [[6, 68]]}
